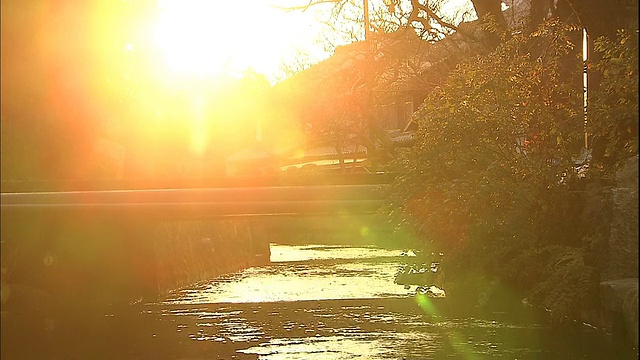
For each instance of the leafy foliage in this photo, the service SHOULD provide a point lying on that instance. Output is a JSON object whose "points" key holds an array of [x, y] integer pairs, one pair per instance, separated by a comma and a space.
{"points": [[490, 181], [570, 280], [615, 104]]}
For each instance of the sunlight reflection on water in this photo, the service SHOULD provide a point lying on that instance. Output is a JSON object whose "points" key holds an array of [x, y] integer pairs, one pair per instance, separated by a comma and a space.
{"points": [[332, 347], [282, 253], [336, 302], [291, 278]]}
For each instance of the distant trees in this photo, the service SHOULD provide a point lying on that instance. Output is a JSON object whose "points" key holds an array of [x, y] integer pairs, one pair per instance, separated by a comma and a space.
{"points": [[66, 80], [80, 90]]}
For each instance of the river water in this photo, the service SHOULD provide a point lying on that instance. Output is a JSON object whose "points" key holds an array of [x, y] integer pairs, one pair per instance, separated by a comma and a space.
{"points": [[314, 302]]}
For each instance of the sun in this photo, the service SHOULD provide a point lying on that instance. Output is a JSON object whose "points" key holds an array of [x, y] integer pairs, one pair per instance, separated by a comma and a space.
{"points": [[211, 37], [192, 38]]}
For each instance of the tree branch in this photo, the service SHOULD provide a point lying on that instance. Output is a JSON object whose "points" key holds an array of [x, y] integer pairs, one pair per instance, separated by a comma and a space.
{"points": [[306, 7], [415, 16]]}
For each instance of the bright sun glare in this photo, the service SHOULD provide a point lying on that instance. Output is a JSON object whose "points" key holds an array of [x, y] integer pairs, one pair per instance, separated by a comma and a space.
{"points": [[206, 37], [210, 37]]}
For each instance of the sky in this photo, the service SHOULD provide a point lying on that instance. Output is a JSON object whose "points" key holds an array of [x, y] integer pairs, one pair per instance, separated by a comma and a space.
{"points": [[208, 37]]}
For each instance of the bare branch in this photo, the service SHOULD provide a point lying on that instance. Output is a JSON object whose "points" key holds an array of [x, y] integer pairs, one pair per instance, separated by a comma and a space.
{"points": [[306, 7], [415, 16]]}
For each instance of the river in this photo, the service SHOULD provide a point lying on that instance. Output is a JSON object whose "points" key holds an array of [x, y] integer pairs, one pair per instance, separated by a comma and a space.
{"points": [[312, 302]]}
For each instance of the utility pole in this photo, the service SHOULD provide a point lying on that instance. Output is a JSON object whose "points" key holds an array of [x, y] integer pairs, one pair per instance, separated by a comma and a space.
{"points": [[371, 153], [585, 57], [367, 25]]}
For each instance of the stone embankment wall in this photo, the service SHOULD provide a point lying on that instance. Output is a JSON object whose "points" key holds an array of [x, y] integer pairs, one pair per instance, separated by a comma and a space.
{"points": [[619, 286], [55, 262], [623, 239], [187, 252]]}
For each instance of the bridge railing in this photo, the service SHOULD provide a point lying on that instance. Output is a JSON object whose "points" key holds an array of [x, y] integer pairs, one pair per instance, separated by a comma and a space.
{"points": [[206, 197]]}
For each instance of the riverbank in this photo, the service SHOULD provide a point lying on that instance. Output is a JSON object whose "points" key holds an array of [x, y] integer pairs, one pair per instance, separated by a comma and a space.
{"points": [[191, 251], [60, 266]]}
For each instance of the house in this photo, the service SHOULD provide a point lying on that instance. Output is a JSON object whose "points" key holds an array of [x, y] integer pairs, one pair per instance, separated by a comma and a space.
{"points": [[358, 103]]}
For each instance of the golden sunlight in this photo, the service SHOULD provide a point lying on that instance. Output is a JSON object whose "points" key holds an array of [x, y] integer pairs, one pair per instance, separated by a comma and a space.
{"points": [[212, 37]]}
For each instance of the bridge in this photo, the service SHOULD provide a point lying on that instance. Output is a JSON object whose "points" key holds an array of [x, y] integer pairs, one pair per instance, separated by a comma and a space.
{"points": [[284, 195], [277, 197], [109, 235]]}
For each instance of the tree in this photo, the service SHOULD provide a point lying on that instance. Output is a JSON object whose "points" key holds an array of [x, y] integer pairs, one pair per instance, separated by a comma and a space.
{"points": [[345, 21], [491, 181], [615, 102], [404, 57], [429, 21]]}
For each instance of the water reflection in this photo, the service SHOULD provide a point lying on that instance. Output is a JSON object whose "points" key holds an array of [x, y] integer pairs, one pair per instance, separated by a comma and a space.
{"points": [[334, 302], [313, 272], [392, 328], [284, 253], [313, 302]]}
